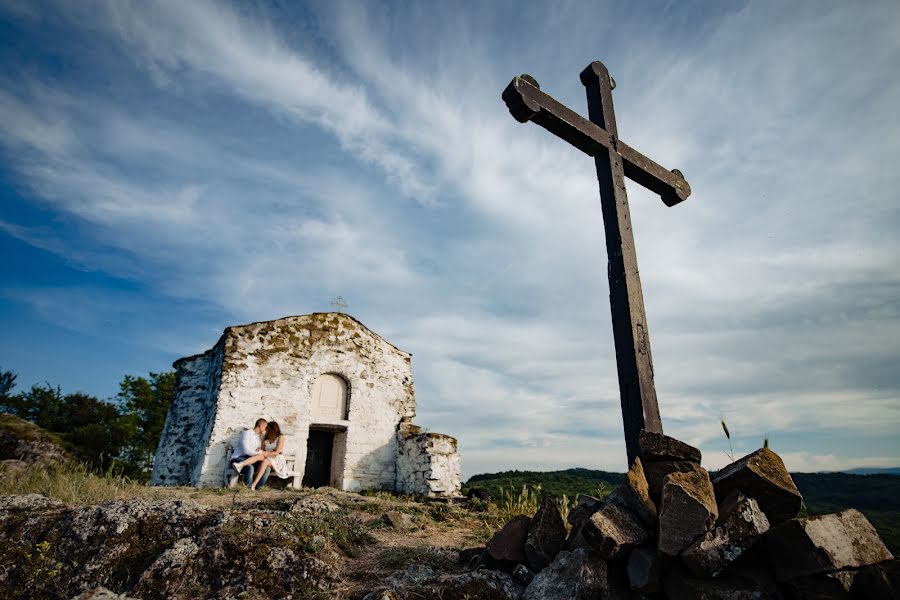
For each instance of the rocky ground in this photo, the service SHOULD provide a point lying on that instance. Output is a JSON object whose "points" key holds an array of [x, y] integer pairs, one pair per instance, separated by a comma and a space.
{"points": [[669, 531]]}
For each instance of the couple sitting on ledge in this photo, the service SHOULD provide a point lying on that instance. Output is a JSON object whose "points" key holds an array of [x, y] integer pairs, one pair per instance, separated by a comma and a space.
{"points": [[260, 452]]}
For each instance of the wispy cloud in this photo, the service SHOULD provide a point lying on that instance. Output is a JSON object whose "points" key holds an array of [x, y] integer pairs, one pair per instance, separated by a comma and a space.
{"points": [[262, 161]]}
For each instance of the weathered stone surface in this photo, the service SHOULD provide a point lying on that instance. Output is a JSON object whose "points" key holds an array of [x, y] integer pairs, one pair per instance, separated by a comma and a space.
{"points": [[614, 530], [816, 587], [634, 494], [844, 540], [419, 581], [656, 473], [578, 575], [576, 538], [679, 585], [508, 544], [645, 571], [763, 477], [687, 510], [877, 581], [656, 447], [399, 521], [382, 595], [546, 535], [522, 574], [737, 530], [101, 593], [585, 506]]}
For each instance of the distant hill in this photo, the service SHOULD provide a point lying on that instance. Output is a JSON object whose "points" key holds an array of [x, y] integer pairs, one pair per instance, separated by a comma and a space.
{"points": [[874, 471], [877, 495]]}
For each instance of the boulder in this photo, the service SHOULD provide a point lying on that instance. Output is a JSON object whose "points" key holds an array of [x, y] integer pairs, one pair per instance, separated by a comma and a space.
{"points": [[737, 529], [687, 510], [645, 571], [578, 575], [584, 507], [614, 530], [877, 581], [399, 521], [508, 544], [656, 473], [826, 543], [522, 574], [680, 585], [763, 477], [101, 593], [634, 494], [468, 557], [576, 538], [656, 447], [816, 587], [546, 535]]}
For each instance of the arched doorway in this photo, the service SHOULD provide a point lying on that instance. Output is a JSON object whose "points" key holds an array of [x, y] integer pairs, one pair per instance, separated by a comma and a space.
{"points": [[325, 446]]}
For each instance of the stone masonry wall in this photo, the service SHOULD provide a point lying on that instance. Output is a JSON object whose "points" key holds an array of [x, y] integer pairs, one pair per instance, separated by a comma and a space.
{"points": [[268, 370], [428, 465], [189, 421]]}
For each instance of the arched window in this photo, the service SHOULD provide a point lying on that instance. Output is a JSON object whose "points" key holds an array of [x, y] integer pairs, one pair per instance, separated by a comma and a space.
{"points": [[329, 398]]}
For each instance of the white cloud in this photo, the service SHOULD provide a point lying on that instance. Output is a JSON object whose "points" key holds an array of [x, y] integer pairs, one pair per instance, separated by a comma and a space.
{"points": [[770, 293]]}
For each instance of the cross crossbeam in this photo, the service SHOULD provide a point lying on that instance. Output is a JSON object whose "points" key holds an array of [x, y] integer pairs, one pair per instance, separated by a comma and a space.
{"points": [[597, 136]]}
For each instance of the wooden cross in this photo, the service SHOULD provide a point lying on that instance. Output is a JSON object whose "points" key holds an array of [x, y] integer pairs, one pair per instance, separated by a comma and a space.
{"points": [[615, 160]]}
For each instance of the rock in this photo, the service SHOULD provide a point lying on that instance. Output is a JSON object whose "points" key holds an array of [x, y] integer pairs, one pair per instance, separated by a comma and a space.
{"points": [[763, 477], [28, 503], [399, 521], [522, 574], [508, 544], [467, 557], [169, 572], [656, 447], [578, 575], [817, 587], [101, 593], [844, 540], [634, 494], [495, 585], [680, 585], [614, 530], [478, 494], [645, 571], [687, 510], [546, 535], [737, 530], [585, 506], [877, 581], [419, 581], [656, 473], [576, 539], [382, 595]]}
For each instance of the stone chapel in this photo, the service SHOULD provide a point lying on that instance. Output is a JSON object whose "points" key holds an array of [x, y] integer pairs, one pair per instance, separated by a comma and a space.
{"points": [[342, 394]]}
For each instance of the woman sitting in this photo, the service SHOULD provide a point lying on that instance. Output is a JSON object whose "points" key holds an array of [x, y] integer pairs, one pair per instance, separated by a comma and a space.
{"points": [[271, 455]]}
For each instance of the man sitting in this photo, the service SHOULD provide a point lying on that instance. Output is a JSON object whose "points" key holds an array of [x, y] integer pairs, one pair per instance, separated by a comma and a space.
{"points": [[250, 444]]}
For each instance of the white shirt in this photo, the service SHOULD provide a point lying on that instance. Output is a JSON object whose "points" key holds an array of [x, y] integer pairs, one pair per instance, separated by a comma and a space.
{"points": [[248, 444]]}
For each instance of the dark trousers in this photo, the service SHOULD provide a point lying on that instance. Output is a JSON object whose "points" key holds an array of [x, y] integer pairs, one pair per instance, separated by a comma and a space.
{"points": [[249, 472]]}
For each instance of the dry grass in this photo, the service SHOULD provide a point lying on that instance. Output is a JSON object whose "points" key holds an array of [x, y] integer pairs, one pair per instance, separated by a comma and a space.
{"points": [[71, 483]]}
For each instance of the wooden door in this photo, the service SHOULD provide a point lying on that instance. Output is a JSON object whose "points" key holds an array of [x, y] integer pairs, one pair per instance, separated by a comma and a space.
{"points": [[319, 447]]}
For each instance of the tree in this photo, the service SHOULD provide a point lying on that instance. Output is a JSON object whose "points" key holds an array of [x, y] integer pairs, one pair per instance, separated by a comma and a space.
{"points": [[144, 404], [7, 383]]}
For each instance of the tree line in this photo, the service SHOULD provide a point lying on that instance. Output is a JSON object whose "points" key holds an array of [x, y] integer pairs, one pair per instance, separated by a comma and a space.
{"points": [[118, 435]]}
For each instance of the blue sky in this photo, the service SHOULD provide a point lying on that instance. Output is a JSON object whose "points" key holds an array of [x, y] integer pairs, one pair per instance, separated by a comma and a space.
{"points": [[171, 168]]}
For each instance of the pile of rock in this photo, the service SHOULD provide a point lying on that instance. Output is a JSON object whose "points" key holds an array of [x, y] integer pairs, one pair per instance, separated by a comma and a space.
{"points": [[672, 531]]}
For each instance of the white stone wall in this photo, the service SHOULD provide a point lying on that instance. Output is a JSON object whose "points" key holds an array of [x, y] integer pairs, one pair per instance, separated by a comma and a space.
{"points": [[428, 465], [189, 422]]}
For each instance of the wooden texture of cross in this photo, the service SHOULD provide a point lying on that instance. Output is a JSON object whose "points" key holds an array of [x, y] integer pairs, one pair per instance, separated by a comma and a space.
{"points": [[615, 160]]}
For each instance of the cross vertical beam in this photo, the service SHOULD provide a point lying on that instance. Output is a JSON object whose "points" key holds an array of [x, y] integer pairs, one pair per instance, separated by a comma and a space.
{"points": [[614, 160], [634, 362]]}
